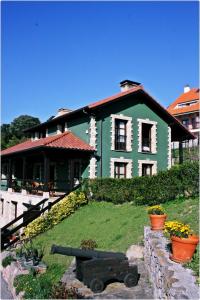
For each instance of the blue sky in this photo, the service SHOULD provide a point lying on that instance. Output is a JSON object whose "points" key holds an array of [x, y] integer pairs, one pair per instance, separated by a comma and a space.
{"points": [[68, 54]]}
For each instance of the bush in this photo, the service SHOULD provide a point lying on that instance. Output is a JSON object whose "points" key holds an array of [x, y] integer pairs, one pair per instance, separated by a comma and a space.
{"points": [[88, 244], [58, 212], [7, 261], [61, 291], [179, 181]]}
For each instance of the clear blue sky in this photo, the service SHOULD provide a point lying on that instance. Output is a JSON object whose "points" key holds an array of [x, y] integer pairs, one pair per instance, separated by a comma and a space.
{"points": [[68, 54]]}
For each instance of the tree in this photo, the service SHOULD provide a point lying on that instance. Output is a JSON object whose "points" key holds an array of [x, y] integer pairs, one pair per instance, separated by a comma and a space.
{"points": [[12, 134], [18, 125], [5, 135]]}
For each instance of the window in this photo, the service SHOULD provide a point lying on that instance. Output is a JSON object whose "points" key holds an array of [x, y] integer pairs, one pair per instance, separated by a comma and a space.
{"points": [[147, 169], [120, 134], [120, 170], [197, 122], [146, 137], [185, 122]]}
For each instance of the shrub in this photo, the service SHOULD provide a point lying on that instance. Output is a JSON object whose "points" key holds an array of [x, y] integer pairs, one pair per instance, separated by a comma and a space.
{"points": [[181, 180], [88, 244], [61, 291], [7, 261], [58, 212]]}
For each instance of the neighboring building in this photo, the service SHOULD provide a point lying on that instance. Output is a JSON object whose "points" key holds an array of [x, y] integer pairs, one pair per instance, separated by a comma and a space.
{"points": [[186, 109], [128, 134]]}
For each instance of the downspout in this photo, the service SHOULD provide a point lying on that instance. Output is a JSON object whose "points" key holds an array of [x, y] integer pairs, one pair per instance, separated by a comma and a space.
{"points": [[101, 148]]}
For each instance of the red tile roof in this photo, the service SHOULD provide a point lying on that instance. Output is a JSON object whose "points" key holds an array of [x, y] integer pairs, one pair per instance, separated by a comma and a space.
{"points": [[115, 97], [65, 140], [192, 95]]}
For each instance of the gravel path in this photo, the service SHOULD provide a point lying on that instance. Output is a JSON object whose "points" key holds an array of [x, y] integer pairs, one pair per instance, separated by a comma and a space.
{"points": [[5, 293]]}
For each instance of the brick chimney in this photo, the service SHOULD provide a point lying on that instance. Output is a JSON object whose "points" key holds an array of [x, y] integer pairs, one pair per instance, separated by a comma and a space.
{"points": [[125, 85], [186, 88]]}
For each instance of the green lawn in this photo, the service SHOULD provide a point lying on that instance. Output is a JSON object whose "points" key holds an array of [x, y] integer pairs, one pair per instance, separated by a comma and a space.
{"points": [[113, 227]]}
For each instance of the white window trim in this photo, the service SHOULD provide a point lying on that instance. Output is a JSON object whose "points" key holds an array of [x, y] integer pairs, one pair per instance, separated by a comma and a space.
{"points": [[153, 135], [129, 131], [129, 163], [59, 129], [147, 161]]}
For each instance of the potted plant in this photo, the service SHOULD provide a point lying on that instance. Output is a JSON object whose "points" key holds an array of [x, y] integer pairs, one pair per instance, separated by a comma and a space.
{"points": [[157, 217], [184, 242]]}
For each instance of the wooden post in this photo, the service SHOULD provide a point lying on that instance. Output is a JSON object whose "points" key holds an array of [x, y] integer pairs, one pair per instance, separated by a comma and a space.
{"points": [[180, 152], [24, 171], [9, 173], [46, 172]]}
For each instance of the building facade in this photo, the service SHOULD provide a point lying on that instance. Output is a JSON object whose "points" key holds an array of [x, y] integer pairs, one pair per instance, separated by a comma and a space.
{"points": [[186, 109], [125, 135]]}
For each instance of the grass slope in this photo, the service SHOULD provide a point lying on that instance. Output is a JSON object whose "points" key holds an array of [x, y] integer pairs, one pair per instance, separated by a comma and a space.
{"points": [[114, 227]]}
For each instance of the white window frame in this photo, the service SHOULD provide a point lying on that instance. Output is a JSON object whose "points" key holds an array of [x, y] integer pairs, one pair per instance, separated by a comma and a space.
{"points": [[153, 135], [148, 162], [129, 131], [129, 167]]}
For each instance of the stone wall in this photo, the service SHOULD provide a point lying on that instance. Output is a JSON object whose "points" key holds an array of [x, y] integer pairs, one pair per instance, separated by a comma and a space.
{"points": [[169, 279]]}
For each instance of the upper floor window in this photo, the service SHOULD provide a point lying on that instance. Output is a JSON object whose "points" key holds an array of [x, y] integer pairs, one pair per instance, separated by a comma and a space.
{"points": [[185, 122], [146, 137], [120, 169], [120, 134], [184, 104]]}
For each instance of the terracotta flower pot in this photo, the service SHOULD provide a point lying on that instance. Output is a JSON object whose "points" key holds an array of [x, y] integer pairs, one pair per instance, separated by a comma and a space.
{"points": [[183, 248], [157, 221]]}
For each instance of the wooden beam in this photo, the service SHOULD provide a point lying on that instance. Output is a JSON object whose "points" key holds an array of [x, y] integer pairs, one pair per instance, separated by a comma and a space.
{"points": [[46, 171], [180, 152]]}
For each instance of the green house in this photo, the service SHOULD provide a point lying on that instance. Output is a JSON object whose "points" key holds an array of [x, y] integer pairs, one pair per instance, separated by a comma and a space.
{"points": [[125, 135]]}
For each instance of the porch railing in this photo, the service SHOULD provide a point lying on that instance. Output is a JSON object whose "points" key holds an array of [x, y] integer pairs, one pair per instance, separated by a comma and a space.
{"points": [[27, 217], [37, 186]]}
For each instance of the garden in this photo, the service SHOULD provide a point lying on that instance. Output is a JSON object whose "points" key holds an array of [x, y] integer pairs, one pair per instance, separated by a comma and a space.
{"points": [[114, 225]]}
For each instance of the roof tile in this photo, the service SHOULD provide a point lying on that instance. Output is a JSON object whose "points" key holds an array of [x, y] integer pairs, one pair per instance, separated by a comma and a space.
{"points": [[192, 95], [66, 140]]}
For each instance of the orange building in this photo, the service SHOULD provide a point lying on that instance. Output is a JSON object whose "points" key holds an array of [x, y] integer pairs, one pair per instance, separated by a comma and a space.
{"points": [[186, 109]]}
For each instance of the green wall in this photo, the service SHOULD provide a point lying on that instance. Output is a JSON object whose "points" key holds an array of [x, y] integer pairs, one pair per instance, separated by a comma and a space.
{"points": [[135, 110], [128, 107]]}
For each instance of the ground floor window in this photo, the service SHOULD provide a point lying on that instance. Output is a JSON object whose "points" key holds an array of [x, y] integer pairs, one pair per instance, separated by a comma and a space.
{"points": [[147, 169], [120, 169]]}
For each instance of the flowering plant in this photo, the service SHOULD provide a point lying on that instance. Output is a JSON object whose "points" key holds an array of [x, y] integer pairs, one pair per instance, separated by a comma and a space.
{"points": [[156, 210], [175, 228]]}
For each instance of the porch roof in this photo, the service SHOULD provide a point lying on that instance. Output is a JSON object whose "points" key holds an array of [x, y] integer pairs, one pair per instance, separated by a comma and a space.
{"points": [[66, 140]]}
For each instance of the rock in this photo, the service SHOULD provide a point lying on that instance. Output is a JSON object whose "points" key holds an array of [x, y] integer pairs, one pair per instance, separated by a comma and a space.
{"points": [[134, 252]]}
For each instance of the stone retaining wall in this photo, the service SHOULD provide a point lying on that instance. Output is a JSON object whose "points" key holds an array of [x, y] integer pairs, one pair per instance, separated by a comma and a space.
{"points": [[169, 279], [10, 272]]}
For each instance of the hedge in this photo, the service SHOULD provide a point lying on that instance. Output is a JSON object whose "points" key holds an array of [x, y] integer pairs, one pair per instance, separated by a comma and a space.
{"points": [[57, 213], [181, 180]]}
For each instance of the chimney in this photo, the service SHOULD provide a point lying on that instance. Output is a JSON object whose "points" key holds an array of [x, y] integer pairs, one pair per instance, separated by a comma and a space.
{"points": [[186, 88], [126, 85], [62, 111]]}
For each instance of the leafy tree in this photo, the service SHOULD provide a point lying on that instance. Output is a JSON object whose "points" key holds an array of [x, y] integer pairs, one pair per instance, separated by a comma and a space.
{"points": [[18, 125], [5, 135], [12, 134]]}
